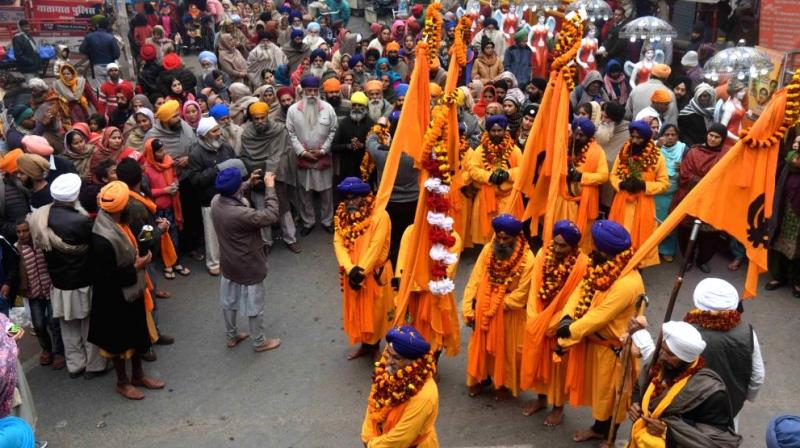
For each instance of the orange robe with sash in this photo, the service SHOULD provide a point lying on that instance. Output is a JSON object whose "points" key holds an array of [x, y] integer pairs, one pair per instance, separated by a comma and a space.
{"points": [[409, 424], [637, 212], [367, 310], [593, 369], [583, 209], [491, 199], [539, 372], [496, 351], [463, 224]]}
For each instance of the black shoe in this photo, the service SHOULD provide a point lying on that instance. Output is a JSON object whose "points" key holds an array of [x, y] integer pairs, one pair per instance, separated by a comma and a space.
{"points": [[149, 356], [77, 374], [689, 266], [328, 229], [164, 340], [93, 375], [305, 231], [705, 268]]}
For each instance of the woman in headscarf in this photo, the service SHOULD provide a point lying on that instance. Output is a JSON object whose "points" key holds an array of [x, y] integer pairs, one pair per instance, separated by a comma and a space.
{"points": [[382, 67], [697, 116], [487, 65], [696, 163], [398, 30], [488, 95], [191, 113], [783, 254], [616, 85], [78, 149], [672, 149], [268, 95], [144, 119], [74, 96], [282, 75], [217, 83], [231, 60], [592, 111], [108, 146], [241, 97], [138, 102]]}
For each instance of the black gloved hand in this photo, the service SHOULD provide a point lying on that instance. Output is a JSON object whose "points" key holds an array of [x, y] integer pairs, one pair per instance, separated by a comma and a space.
{"points": [[493, 178], [356, 277], [637, 185], [563, 327], [502, 176], [383, 148], [625, 185], [574, 175], [395, 282]]}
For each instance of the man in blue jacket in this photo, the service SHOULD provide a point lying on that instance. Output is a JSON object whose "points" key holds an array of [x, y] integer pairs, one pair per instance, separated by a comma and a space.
{"points": [[27, 56], [101, 48], [517, 59]]}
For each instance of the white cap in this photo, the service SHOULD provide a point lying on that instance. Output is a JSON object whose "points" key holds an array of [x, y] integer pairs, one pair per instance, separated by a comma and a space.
{"points": [[715, 294], [112, 65], [690, 59], [683, 340], [66, 187], [206, 124]]}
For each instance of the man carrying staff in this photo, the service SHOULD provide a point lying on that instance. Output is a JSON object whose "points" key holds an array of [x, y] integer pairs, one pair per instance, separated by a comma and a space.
{"points": [[494, 306], [594, 319], [404, 399], [557, 270], [361, 243]]}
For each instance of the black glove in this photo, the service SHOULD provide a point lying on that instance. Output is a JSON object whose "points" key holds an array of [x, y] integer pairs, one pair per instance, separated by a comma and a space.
{"points": [[637, 185], [395, 282], [625, 185], [383, 148], [574, 175], [563, 327], [502, 176], [493, 178], [356, 277]]}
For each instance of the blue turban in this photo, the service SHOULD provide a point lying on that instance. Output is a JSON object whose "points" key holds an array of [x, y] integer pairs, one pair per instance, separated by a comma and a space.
{"points": [[353, 186], [285, 9], [219, 112], [610, 237], [228, 181], [490, 21], [295, 15], [355, 59], [16, 432], [207, 56], [309, 81], [318, 52], [508, 224], [381, 61], [449, 25], [568, 230], [496, 119], [394, 116], [643, 128], [586, 126], [313, 26], [783, 431], [296, 33], [407, 342], [401, 90]]}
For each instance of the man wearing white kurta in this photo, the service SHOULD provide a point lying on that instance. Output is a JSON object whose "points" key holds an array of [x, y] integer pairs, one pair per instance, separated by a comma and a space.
{"points": [[312, 124]]}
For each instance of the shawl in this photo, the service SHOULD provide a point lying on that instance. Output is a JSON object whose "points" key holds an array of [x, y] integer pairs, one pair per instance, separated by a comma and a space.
{"points": [[480, 106], [8, 368], [135, 138], [673, 156], [125, 251], [81, 161], [102, 151], [71, 91], [260, 148], [184, 114], [45, 239], [167, 169], [230, 55], [617, 88], [694, 106], [238, 108]]}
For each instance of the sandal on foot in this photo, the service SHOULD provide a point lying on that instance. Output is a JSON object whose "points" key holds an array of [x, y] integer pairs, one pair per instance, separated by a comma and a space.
{"points": [[183, 270], [773, 285], [169, 274]]}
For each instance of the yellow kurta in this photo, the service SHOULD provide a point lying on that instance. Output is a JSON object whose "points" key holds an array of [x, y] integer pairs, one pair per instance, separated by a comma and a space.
{"points": [[480, 221], [463, 224], [416, 425], [481, 347], [593, 177], [656, 182], [367, 310], [606, 320], [435, 317]]}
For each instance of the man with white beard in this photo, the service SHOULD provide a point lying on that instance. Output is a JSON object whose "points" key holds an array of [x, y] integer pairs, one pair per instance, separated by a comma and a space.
{"points": [[378, 107], [611, 134], [350, 140], [231, 132], [265, 56], [317, 67], [312, 124]]}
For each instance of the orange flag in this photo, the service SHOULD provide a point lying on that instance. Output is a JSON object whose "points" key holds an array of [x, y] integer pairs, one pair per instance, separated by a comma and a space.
{"points": [[736, 195]]}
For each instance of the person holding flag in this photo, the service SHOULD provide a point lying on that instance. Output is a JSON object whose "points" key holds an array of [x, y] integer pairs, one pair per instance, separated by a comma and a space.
{"points": [[494, 307], [557, 270], [638, 175], [594, 319]]}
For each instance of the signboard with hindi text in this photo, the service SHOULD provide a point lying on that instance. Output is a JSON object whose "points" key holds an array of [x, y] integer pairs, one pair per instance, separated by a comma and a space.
{"points": [[779, 24]]}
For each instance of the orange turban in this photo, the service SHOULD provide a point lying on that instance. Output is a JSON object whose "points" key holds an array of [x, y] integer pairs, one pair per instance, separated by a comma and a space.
{"points": [[661, 71], [258, 109], [8, 164], [113, 197], [392, 46], [661, 96], [373, 85], [168, 110], [436, 90], [331, 85]]}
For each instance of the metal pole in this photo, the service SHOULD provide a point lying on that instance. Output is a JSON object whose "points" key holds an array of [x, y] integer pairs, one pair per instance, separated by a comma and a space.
{"points": [[123, 30]]}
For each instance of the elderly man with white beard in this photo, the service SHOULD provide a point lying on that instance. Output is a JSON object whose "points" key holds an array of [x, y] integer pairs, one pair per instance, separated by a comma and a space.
{"points": [[265, 56], [378, 107], [231, 132], [312, 125]]}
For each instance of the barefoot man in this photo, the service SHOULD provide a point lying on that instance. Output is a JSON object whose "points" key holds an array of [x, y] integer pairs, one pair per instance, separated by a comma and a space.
{"points": [[557, 271]]}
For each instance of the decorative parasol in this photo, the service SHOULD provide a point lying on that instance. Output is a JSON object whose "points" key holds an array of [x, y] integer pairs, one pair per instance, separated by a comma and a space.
{"points": [[648, 28], [741, 62], [541, 5], [595, 9]]}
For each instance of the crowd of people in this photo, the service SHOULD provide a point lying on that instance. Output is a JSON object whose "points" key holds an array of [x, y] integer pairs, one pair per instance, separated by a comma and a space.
{"points": [[108, 183]]}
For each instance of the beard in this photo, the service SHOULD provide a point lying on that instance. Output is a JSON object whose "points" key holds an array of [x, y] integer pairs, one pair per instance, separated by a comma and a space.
{"points": [[334, 101], [502, 251], [375, 108], [317, 71], [351, 208], [174, 126], [672, 372], [604, 133], [214, 143], [261, 127], [597, 258], [357, 116], [297, 45], [496, 140], [285, 108], [310, 112]]}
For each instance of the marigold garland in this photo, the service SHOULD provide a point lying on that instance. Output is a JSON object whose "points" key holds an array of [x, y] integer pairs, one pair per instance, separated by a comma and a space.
{"points": [[432, 30], [463, 146], [577, 159], [502, 274], [350, 226], [389, 390], [790, 118], [599, 278], [554, 274], [566, 48], [660, 384], [367, 164], [496, 157], [634, 166], [714, 320]]}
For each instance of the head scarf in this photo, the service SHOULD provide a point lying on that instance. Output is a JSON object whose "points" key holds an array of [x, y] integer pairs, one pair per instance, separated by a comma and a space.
{"points": [[228, 181], [113, 196], [610, 237], [80, 160], [586, 126], [353, 186], [359, 98], [33, 166], [20, 113], [144, 101], [8, 164], [683, 340], [407, 342], [694, 106], [185, 115], [568, 230], [66, 187], [508, 224], [642, 128], [35, 144], [784, 432]]}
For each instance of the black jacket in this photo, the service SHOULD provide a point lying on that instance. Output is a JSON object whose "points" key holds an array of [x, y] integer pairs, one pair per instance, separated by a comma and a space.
{"points": [[69, 271], [15, 205], [63, 166], [100, 47], [148, 77], [349, 159], [26, 54], [202, 170]]}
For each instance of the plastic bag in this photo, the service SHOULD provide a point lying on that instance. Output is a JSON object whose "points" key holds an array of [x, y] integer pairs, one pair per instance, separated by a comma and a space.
{"points": [[47, 52]]}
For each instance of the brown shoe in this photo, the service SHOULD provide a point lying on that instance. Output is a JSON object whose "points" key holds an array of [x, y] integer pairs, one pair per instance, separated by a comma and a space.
{"points": [[130, 392], [59, 362], [294, 247], [45, 359], [213, 272], [239, 338], [268, 344], [148, 382]]}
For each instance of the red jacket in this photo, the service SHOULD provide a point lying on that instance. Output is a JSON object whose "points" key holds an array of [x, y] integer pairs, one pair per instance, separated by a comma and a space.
{"points": [[158, 185]]}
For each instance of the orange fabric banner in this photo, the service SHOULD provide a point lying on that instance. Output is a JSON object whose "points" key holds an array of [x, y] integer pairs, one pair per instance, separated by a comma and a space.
{"points": [[736, 195]]}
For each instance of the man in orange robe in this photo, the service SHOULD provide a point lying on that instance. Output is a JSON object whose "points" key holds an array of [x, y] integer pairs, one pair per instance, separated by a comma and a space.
{"points": [[492, 168], [588, 171], [595, 317], [638, 175], [361, 243], [494, 306], [557, 270]]}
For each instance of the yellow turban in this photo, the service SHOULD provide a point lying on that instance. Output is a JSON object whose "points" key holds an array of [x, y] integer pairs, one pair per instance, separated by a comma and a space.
{"points": [[113, 197], [258, 109], [436, 90], [373, 85], [359, 98], [661, 96], [33, 166], [168, 110], [8, 164]]}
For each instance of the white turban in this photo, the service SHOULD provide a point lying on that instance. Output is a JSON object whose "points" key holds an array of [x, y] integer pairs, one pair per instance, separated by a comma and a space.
{"points": [[206, 124], [65, 188], [715, 294], [112, 65], [683, 340], [37, 83]]}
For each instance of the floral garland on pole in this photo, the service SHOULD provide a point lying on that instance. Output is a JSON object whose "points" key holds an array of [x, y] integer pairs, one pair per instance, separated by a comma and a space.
{"points": [[367, 164], [435, 159], [566, 48]]}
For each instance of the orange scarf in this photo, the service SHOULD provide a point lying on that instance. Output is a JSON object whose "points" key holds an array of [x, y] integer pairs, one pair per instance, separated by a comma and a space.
{"points": [[167, 168], [359, 305], [168, 255], [589, 205]]}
